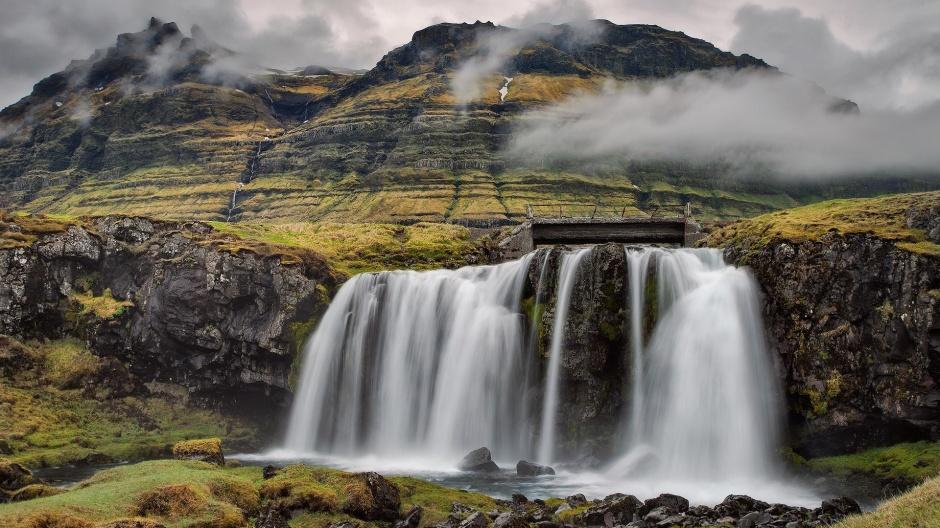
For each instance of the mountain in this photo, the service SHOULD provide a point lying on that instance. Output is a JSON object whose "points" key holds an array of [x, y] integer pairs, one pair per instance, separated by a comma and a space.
{"points": [[174, 126]]}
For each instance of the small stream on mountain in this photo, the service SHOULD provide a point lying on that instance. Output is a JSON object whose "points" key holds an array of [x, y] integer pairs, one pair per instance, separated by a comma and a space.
{"points": [[408, 371]]}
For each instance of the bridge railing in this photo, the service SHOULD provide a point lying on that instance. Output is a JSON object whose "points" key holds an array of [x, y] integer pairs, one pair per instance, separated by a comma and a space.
{"points": [[601, 211]]}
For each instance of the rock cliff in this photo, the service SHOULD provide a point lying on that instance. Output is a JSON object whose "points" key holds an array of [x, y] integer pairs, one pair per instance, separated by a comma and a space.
{"points": [[852, 308], [181, 307]]}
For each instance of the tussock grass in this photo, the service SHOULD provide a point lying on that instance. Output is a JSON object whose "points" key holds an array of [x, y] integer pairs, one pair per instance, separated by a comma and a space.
{"points": [[918, 508], [172, 492]]}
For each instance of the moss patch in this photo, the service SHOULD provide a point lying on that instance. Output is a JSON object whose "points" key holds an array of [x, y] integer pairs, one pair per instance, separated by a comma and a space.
{"points": [[47, 420], [103, 306], [911, 463]]}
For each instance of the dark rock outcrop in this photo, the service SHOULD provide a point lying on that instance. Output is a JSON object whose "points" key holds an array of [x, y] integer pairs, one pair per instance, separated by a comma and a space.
{"points": [[855, 323], [205, 319]]}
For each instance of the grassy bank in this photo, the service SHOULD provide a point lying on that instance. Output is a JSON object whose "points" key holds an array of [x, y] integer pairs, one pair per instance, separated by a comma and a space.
{"points": [[185, 493], [58, 406], [918, 508], [354, 248], [883, 216]]}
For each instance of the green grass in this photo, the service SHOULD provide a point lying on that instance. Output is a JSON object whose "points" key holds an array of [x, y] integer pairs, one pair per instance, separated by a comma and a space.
{"points": [[918, 508], [354, 248], [912, 463], [49, 418], [180, 493], [103, 306], [217, 495], [883, 216]]}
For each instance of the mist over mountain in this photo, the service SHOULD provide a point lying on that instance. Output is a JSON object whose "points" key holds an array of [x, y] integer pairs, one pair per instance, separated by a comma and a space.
{"points": [[175, 125]]}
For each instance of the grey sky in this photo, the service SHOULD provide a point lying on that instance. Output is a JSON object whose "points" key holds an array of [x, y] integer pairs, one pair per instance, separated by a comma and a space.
{"points": [[879, 53]]}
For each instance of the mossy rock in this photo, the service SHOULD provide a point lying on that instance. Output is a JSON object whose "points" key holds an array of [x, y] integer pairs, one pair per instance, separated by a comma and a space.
{"points": [[174, 500], [34, 491], [53, 519], [205, 450], [14, 477]]}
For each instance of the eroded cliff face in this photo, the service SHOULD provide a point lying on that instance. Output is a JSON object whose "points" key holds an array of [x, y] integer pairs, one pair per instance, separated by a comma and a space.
{"points": [[855, 322], [175, 303], [595, 347]]}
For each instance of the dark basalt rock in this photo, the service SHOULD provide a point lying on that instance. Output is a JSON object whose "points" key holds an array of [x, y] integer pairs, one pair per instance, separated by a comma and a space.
{"points": [[207, 323], [530, 469], [269, 471], [511, 520], [478, 460], [475, 520], [671, 503], [612, 511], [857, 333], [411, 519]]}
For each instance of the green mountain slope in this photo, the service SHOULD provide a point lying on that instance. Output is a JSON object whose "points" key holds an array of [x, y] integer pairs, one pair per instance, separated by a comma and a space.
{"points": [[173, 126]]}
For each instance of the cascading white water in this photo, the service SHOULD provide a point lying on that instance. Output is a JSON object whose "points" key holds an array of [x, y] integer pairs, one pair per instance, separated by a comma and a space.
{"points": [[704, 395], [567, 276], [421, 367], [420, 364], [637, 271]]}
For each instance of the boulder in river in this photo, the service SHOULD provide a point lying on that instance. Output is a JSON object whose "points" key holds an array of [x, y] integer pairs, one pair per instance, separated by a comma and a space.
{"points": [[478, 460], [530, 469]]}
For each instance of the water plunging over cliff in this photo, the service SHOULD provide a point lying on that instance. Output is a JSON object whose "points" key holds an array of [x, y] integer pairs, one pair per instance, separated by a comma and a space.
{"points": [[420, 367], [417, 364], [704, 397]]}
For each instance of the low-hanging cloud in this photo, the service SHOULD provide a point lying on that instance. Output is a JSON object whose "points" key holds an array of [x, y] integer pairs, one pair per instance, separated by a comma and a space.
{"points": [[751, 122], [497, 46], [902, 69]]}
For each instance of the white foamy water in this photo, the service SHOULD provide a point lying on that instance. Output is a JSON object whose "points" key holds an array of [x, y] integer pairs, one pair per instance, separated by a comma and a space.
{"points": [[423, 365], [408, 371]]}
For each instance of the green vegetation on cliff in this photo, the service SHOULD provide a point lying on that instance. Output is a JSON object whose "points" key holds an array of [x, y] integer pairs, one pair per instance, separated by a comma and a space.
{"points": [[891, 217], [55, 409], [354, 248], [901, 464]]}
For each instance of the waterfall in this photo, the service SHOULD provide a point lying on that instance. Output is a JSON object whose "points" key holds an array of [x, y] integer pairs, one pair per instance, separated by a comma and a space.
{"points": [[637, 269], [419, 364], [567, 275], [704, 395], [425, 366]]}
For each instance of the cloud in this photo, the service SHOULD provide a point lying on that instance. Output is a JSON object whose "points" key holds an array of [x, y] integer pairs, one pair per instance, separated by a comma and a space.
{"points": [[901, 70], [40, 37], [497, 46], [750, 122]]}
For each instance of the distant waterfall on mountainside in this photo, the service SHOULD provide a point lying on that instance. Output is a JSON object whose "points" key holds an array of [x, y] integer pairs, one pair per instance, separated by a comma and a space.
{"points": [[418, 364], [703, 393], [428, 365]]}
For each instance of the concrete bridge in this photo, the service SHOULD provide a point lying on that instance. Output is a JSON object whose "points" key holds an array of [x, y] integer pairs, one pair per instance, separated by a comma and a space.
{"points": [[678, 230]]}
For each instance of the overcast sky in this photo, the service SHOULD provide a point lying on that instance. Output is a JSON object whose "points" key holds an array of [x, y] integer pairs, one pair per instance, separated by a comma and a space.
{"points": [[881, 53]]}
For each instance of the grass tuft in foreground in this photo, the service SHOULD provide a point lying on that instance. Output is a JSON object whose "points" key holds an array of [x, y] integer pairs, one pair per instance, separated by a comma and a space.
{"points": [[918, 508]]}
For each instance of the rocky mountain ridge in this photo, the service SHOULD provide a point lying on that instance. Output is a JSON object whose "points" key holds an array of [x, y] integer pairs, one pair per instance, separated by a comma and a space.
{"points": [[174, 126]]}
